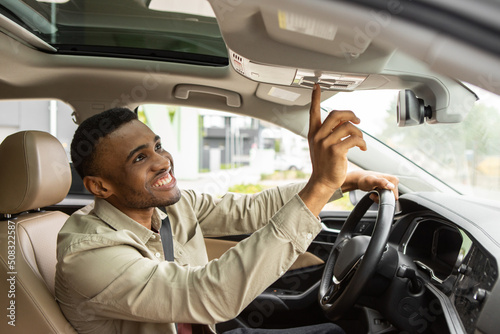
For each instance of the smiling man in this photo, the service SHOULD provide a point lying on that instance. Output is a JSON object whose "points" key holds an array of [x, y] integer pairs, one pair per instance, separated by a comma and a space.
{"points": [[135, 172], [112, 274]]}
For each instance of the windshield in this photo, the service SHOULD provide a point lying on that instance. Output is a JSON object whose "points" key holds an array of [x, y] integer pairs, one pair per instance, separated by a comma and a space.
{"points": [[464, 155]]}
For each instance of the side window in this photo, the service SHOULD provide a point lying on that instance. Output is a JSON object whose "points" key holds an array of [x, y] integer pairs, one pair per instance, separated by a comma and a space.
{"points": [[50, 116], [43, 115], [216, 152]]}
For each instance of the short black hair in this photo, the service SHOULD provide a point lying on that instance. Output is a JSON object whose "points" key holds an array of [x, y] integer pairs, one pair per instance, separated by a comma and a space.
{"points": [[88, 134]]}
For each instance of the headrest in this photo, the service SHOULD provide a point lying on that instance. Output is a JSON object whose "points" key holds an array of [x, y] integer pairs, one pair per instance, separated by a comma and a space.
{"points": [[34, 172]]}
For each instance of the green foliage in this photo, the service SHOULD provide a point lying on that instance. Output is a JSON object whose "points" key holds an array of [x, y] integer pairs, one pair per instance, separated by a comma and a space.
{"points": [[448, 150], [171, 113], [277, 145], [342, 204], [478, 132], [231, 166], [285, 175], [142, 116], [265, 176], [302, 175], [480, 129], [246, 188]]}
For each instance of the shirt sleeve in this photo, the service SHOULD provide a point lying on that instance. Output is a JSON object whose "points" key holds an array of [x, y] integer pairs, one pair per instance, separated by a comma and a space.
{"points": [[235, 214], [133, 287]]}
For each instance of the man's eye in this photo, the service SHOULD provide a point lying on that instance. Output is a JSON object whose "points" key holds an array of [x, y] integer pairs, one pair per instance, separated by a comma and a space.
{"points": [[140, 157], [158, 147]]}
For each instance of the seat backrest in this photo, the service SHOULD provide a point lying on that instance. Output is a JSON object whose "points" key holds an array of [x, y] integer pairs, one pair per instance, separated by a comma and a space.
{"points": [[34, 173]]}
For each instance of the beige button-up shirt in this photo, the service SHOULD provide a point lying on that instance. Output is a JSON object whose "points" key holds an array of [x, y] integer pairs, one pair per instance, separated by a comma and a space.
{"points": [[112, 277]]}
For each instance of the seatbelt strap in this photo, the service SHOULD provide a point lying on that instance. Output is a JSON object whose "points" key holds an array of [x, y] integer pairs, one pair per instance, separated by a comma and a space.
{"points": [[166, 238], [168, 250]]}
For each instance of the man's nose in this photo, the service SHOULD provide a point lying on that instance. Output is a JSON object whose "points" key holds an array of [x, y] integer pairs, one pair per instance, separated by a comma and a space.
{"points": [[161, 161]]}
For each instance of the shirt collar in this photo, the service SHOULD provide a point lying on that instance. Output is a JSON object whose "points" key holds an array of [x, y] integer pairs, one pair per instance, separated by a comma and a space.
{"points": [[158, 217], [120, 221]]}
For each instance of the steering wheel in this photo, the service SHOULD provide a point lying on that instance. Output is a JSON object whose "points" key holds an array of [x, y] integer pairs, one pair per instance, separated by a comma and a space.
{"points": [[353, 259]]}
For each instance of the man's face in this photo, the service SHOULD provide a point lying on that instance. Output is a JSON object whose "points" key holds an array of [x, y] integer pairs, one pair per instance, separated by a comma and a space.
{"points": [[136, 169]]}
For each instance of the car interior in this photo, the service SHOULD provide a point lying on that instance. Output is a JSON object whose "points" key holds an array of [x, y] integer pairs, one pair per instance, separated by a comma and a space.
{"points": [[431, 265]]}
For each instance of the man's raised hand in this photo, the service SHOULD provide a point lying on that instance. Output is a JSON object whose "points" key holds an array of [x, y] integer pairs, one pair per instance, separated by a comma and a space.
{"points": [[329, 143]]}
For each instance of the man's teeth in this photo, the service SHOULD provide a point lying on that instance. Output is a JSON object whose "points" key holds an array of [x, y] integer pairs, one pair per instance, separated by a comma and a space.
{"points": [[163, 181]]}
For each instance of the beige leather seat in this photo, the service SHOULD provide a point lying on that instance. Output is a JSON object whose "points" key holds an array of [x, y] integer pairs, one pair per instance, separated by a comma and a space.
{"points": [[34, 173]]}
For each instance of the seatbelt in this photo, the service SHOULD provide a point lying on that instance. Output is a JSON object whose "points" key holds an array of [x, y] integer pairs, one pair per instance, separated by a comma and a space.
{"points": [[167, 243], [166, 238]]}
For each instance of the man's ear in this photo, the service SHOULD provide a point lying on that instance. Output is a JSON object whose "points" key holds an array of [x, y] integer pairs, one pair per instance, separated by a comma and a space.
{"points": [[97, 186]]}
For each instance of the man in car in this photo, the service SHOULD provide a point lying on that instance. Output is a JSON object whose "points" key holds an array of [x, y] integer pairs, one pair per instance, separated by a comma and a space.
{"points": [[112, 276]]}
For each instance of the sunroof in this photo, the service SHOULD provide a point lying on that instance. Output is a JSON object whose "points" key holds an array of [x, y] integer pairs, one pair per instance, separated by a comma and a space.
{"points": [[169, 30]]}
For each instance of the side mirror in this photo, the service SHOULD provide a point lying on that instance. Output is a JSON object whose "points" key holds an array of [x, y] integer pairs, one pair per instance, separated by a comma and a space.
{"points": [[410, 109]]}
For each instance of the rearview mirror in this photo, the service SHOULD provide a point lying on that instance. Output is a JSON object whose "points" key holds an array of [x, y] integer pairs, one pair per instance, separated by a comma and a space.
{"points": [[410, 109]]}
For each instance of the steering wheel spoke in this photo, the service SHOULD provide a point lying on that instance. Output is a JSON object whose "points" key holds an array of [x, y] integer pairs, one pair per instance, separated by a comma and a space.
{"points": [[338, 286], [330, 294]]}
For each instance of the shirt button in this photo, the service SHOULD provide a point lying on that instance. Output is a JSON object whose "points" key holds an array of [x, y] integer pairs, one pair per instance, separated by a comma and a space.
{"points": [[309, 236], [153, 237], [281, 273], [157, 254]]}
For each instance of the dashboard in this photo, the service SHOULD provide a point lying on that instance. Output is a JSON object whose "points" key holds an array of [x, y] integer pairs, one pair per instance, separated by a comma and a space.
{"points": [[436, 246], [453, 263], [452, 243]]}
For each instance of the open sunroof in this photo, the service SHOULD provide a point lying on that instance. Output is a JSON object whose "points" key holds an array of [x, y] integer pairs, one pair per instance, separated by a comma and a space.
{"points": [[175, 30]]}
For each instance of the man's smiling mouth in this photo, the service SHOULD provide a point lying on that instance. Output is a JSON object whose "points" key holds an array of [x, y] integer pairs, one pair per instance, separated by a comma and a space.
{"points": [[164, 180]]}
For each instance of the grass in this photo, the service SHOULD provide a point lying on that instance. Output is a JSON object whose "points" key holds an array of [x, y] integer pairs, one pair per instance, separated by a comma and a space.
{"points": [[222, 167], [285, 175], [342, 204], [246, 188], [231, 166]]}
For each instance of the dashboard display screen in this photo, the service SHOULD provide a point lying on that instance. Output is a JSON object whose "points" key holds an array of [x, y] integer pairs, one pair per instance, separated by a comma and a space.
{"points": [[436, 246], [448, 242]]}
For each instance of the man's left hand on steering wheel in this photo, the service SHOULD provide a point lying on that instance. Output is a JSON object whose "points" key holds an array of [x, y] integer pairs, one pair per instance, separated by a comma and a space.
{"points": [[368, 181]]}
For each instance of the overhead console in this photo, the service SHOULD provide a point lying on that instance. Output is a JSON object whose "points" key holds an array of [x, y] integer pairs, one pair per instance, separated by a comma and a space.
{"points": [[294, 77]]}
